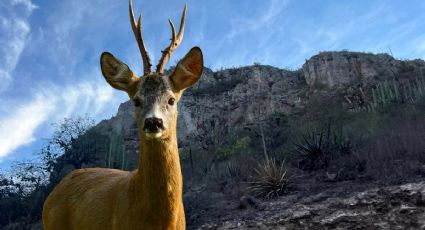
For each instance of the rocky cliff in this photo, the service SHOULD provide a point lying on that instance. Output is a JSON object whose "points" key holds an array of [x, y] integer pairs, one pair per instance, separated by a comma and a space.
{"points": [[239, 96], [342, 69], [234, 96]]}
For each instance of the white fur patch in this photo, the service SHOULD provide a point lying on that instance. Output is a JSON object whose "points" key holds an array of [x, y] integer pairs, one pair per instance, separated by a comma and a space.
{"points": [[153, 135]]}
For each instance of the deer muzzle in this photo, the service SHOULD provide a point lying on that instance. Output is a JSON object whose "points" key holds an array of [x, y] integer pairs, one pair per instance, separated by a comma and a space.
{"points": [[153, 127]]}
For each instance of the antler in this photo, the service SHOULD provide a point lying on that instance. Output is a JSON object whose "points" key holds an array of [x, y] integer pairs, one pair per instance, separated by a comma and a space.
{"points": [[137, 29], [175, 42]]}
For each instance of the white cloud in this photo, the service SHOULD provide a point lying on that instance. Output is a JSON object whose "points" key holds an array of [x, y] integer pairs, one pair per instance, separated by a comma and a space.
{"points": [[51, 104], [73, 27], [265, 19], [258, 28], [84, 97], [18, 128], [26, 3], [93, 97], [48, 102], [14, 30]]}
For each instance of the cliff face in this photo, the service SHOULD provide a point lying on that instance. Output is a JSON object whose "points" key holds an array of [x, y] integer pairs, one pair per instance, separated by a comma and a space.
{"points": [[341, 69], [239, 96], [236, 96]]}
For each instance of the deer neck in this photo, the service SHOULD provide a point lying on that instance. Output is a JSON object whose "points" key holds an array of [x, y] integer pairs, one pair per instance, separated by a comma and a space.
{"points": [[158, 177]]}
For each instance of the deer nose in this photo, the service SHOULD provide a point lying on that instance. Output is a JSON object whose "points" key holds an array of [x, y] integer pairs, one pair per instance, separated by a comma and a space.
{"points": [[153, 124]]}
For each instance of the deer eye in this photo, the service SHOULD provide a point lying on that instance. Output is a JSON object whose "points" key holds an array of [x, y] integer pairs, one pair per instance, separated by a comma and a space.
{"points": [[136, 102], [171, 101]]}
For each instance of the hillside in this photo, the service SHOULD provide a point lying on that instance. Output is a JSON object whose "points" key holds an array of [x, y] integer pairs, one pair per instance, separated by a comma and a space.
{"points": [[238, 97], [345, 135], [371, 105]]}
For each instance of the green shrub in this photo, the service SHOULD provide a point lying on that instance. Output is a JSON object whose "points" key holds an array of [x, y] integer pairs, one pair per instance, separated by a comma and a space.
{"points": [[235, 147]]}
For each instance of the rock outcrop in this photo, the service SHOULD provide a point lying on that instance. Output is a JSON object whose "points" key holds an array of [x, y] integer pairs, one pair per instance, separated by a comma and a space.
{"points": [[342, 69], [239, 96], [339, 69]]}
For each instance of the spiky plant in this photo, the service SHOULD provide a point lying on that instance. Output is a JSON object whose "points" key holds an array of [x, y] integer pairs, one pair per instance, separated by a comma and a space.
{"points": [[313, 149], [312, 145], [270, 179], [233, 170]]}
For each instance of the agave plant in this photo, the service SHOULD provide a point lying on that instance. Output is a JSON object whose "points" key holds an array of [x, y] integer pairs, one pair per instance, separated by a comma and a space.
{"points": [[270, 179], [313, 149]]}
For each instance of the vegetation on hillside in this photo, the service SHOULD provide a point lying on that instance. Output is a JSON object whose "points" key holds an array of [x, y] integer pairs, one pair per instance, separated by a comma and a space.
{"points": [[363, 134]]}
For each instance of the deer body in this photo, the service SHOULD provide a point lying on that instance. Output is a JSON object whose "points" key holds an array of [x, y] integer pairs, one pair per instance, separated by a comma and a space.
{"points": [[149, 197], [152, 193]]}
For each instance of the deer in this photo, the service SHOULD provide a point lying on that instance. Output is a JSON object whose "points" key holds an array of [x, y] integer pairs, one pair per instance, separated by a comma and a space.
{"points": [[150, 197]]}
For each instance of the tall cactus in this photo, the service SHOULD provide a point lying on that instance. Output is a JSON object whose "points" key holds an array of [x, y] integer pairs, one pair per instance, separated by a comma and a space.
{"points": [[392, 91]]}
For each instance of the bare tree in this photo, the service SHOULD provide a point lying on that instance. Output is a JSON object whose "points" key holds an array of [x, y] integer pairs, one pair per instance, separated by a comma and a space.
{"points": [[65, 145], [68, 130]]}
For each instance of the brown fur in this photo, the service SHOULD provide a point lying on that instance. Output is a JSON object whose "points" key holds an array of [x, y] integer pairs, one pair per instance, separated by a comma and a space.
{"points": [[149, 197]]}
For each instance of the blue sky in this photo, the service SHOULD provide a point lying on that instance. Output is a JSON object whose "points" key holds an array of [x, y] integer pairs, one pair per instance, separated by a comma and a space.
{"points": [[49, 50]]}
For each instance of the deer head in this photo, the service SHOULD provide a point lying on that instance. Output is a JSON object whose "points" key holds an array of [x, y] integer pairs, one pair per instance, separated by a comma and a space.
{"points": [[155, 94]]}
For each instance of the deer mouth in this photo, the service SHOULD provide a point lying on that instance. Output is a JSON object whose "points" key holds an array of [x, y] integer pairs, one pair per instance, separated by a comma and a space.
{"points": [[153, 134]]}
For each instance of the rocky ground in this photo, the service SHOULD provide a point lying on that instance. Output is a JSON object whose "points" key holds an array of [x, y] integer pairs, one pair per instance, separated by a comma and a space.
{"points": [[390, 207], [343, 205]]}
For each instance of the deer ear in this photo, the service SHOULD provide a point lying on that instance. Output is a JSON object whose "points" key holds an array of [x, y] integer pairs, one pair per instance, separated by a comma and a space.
{"points": [[118, 74], [188, 70]]}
